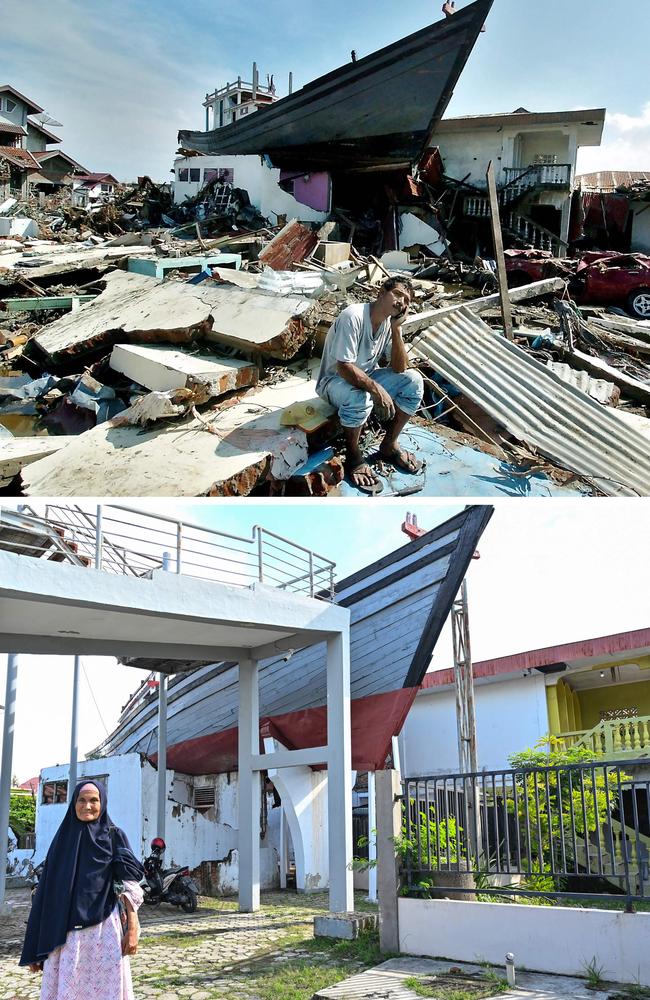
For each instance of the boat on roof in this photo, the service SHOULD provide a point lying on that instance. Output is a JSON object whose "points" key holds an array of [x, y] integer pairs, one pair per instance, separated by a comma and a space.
{"points": [[378, 112], [398, 606]]}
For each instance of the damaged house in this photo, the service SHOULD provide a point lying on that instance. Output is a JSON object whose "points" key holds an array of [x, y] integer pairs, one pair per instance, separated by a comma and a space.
{"points": [[26, 162], [349, 140]]}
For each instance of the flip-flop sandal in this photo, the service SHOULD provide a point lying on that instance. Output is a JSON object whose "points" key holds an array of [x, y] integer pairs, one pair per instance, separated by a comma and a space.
{"points": [[395, 459], [372, 489]]}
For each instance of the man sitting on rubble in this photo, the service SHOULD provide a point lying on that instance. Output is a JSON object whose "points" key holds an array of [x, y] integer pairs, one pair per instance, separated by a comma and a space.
{"points": [[352, 380]]}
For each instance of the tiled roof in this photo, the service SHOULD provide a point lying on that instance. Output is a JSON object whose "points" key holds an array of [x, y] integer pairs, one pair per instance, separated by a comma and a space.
{"points": [[610, 180], [98, 178], [21, 157], [48, 154], [31, 107], [10, 127]]}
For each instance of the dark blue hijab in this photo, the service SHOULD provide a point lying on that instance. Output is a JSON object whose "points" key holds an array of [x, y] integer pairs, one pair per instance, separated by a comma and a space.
{"points": [[76, 887]]}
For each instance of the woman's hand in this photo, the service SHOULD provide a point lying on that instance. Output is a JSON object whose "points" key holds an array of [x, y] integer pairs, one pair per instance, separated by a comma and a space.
{"points": [[130, 941], [35, 967]]}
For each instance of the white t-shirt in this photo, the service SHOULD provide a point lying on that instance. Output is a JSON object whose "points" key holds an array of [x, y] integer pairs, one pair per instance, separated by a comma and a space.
{"points": [[350, 338]]}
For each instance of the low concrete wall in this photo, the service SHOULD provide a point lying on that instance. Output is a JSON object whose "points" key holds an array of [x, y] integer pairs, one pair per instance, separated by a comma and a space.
{"points": [[555, 939]]}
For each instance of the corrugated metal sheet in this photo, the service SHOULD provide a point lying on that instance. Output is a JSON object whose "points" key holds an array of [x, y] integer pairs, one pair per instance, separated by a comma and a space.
{"points": [[532, 403], [598, 388]]}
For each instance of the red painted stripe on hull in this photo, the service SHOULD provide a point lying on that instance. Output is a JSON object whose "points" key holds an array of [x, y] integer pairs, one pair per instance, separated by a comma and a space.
{"points": [[375, 720]]}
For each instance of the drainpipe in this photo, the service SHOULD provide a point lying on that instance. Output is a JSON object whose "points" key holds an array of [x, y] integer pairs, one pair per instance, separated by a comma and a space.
{"points": [[162, 736], [7, 761], [74, 736]]}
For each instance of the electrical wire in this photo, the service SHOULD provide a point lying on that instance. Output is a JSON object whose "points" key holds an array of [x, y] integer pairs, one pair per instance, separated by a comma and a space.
{"points": [[92, 695]]}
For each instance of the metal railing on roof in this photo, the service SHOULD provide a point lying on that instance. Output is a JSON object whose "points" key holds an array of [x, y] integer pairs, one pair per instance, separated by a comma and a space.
{"points": [[130, 542]]}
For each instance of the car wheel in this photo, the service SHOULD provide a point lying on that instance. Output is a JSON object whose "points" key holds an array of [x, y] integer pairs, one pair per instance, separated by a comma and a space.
{"points": [[639, 303]]}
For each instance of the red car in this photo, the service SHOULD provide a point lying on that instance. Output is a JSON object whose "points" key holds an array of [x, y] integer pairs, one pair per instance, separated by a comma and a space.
{"points": [[599, 278]]}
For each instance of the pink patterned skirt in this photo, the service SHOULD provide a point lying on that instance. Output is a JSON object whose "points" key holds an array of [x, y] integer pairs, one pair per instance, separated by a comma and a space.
{"points": [[90, 965]]}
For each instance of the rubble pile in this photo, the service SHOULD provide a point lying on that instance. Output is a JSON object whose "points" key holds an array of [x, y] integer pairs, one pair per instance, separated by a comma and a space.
{"points": [[152, 364]]}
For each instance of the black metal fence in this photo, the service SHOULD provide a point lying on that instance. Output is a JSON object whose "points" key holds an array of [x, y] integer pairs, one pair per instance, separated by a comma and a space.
{"points": [[575, 830]]}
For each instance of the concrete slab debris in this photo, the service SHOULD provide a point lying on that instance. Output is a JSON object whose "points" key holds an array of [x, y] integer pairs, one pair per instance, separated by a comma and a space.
{"points": [[163, 368], [18, 452], [225, 452], [133, 308]]}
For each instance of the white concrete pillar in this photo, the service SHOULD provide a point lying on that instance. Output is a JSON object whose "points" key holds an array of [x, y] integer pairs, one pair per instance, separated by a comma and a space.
{"points": [[74, 729], [249, 788], [283, 850], [372, 838], [161, 798], [339, 768], [7, 763]]}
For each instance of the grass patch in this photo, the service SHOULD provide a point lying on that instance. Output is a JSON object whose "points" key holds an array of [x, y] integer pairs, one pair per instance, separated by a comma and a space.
{"points": [[458, 987], [298, 979], [322, 962]]}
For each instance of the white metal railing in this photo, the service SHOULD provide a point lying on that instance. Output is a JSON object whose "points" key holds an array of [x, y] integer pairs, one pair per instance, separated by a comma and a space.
{"points": [[130, 542], [552, 174]]}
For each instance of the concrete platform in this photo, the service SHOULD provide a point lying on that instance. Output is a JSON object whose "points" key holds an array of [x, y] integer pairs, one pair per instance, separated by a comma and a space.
{"points": [[387, 981], [346, 926]]}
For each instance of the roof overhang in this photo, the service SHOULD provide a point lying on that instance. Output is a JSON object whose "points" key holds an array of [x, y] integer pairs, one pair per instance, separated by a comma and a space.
{"points": [[586, 654], [60, 609], [32, 109]]}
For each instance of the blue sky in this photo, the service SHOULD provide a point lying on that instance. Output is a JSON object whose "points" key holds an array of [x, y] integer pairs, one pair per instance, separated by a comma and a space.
{"points": [[124, 76], [549, 572]]}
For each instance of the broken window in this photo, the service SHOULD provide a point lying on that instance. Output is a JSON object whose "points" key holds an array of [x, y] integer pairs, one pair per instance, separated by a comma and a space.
{"points": [[182, 174], [195, 174]]}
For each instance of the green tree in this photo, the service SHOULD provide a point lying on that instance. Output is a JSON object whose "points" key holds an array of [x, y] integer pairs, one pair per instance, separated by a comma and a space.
{"points": [[560, 811], [22, 813]]}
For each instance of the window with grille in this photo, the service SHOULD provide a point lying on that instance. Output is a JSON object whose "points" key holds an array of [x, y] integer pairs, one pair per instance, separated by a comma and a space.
{"points": [[545, 159]]}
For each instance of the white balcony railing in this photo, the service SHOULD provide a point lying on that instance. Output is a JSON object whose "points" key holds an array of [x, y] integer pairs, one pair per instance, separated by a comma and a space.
{"points": [[539, 175]]}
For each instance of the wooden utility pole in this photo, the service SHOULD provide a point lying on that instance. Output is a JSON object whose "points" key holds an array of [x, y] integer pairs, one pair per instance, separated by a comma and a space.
{"points": [[497, 235]]}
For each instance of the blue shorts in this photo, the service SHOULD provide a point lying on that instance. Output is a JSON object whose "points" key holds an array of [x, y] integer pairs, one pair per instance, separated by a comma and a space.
{"points": [[355, 405]]}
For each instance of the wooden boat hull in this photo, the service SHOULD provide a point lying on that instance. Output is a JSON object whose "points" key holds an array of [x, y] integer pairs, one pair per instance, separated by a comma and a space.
{"points": [[398, 607], [380, 111]]}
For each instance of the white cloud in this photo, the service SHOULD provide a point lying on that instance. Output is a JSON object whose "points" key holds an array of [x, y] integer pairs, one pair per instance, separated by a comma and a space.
{"points": [[625, 145]]}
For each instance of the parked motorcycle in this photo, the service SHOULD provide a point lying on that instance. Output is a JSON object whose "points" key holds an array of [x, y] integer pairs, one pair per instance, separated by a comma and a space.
{"points": [[32, 876], [170, 885]]}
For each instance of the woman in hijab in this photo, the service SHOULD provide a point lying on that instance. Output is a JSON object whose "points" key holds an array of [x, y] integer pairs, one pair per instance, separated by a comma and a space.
{"points": [[75, 934]]}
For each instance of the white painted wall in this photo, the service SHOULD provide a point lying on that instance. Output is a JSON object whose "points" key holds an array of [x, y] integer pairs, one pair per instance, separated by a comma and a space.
{"points": [[471, 150], [255, 177], [511, 715], [192, 836], [124, 788], [556, 939], [641, 226]]}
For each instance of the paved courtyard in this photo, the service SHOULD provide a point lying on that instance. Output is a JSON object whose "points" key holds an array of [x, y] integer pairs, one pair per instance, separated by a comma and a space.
{"points": [[205, 955]]}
